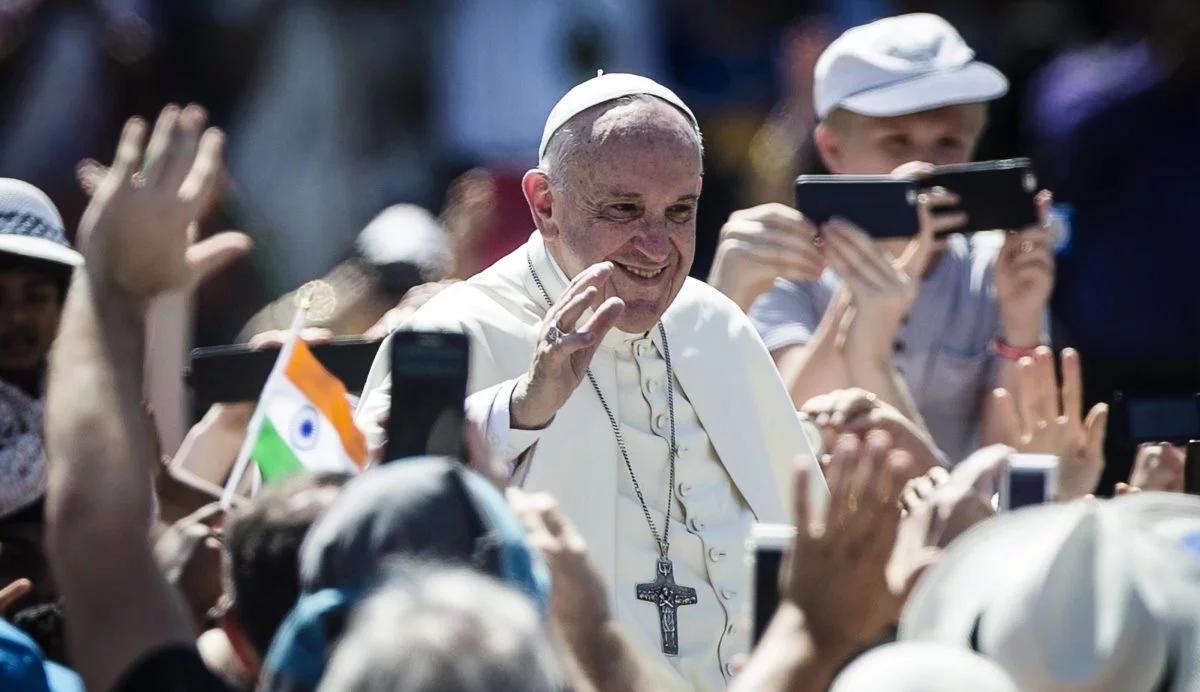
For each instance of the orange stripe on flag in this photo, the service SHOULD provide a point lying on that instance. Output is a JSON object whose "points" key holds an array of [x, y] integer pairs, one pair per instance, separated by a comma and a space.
{"points": [[328, 394]]}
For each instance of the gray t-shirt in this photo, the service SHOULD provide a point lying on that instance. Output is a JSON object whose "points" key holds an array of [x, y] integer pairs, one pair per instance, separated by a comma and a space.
{"points": [[942, 349]]}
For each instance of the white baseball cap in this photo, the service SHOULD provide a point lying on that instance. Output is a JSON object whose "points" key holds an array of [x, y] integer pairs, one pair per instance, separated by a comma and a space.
{"points": [[601, 89], [1090, 596], [901, 65]]}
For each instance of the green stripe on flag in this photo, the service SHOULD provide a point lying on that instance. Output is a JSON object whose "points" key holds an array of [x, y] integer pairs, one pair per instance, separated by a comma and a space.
{"points": [[273, 455]]}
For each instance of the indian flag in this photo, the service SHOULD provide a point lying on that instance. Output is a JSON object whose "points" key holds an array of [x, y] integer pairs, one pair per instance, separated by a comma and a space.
{"points": [[303, 422]]}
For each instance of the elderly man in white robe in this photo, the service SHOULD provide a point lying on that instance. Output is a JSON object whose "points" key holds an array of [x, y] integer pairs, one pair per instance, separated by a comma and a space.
{"points": [[641, 399]]}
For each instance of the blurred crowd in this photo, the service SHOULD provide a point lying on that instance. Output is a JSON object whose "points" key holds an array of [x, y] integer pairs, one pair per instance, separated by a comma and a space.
{"points": [[646, 309]]}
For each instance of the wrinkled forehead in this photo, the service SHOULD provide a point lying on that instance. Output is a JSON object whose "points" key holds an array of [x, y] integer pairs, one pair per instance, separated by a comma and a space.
{"points": [[641, 138]]}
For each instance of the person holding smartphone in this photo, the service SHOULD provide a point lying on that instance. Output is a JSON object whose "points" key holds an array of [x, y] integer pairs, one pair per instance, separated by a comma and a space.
{"points": [[944, 318]]}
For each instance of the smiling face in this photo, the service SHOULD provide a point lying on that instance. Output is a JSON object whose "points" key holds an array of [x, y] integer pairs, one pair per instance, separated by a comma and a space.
{"points": [[625, 191]]}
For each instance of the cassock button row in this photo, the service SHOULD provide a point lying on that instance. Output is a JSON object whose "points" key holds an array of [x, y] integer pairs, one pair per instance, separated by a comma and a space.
{"points": [[716, 555], [652, 385], [643, 348], [729, 669], [660, 422], [685, 489], [697, 525], [728, 594], [731, 628]]}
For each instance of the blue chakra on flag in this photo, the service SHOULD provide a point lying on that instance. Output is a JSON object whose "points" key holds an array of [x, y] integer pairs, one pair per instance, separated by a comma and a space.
{"points": [[304, 429]]}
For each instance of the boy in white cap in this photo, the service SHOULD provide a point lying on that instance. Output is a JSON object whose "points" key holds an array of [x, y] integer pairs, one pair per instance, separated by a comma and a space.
{"points": [[640, 399], [897, 95]]}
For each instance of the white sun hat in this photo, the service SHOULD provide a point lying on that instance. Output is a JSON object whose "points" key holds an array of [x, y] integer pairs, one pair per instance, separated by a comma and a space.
{"points": [[1088, 596], [901, 65], [602, 89], [922, 667], [30, 225]]}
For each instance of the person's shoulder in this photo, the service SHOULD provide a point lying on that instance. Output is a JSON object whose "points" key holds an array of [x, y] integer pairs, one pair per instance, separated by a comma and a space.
{"points": [[708, 312]]}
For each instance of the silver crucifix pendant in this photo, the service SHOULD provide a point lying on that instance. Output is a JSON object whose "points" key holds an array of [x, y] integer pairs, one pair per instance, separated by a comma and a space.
{"points": [[664, 593]]}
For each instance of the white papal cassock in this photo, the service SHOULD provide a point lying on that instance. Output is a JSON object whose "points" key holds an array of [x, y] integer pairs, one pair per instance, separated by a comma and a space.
{"points": [[736, 427]]}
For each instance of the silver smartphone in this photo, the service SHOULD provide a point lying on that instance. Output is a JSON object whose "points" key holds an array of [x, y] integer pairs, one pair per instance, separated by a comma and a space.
{"points": [[764, 551], [1030, 479]]}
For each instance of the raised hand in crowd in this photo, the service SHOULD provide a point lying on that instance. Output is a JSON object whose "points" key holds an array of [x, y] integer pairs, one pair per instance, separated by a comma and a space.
{"points": [[1046, 419], [835, 596], [100, 442], [579, 603], [761, 244], [559, 364], [1156, 467], [857, 411]]}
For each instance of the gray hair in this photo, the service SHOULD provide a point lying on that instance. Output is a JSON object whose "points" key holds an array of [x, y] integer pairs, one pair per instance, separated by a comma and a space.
{"points": [[449, 629], [570, 138]]}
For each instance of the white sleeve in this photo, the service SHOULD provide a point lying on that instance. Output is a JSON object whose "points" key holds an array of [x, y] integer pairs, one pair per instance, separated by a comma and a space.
{"points": [[488, 409]]}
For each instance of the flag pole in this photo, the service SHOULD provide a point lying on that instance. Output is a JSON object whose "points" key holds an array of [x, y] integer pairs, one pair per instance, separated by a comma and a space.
{"points": [[303, 302]]}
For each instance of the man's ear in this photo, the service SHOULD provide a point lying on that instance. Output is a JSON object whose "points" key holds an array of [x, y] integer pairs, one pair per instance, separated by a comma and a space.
{"points": [[540, 196], [829, 146]]}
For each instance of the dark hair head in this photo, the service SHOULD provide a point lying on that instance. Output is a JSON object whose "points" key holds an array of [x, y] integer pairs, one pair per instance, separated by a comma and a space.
{"points": [[262, 551]]}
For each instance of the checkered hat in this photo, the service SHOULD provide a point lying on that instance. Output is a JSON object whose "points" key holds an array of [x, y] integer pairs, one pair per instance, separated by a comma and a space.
{"points": [[30, 225]]}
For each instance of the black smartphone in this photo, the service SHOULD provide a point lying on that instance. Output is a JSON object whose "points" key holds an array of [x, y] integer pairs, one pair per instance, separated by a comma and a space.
{"points": [[881, 205], [996, 195], [765, 547], [224, 374], [429, 384], [1191, 468], [1160, 418]]}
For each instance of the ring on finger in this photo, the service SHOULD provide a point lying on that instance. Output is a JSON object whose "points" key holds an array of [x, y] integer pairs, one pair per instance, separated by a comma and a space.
{"points": [[554, 335], [1026, 247], [852, 503]]}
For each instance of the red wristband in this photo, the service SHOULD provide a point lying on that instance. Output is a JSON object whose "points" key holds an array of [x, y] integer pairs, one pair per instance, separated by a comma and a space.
{"points": [[1007, 351]]}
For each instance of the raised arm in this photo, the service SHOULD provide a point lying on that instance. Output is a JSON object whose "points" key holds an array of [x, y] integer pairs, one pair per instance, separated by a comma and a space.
{"points": [[100, 441]]}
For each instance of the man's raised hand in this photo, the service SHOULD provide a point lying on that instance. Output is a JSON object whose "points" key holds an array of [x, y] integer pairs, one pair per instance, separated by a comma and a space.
{"points": [[564, 350], [1044, 419], [135, 231]]}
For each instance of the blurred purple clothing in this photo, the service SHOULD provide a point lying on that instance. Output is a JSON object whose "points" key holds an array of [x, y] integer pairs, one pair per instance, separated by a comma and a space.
{"points": [[1118, 141]]}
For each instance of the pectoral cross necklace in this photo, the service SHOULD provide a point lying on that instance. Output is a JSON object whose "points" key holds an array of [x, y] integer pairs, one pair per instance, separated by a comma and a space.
{"points": [[663, 592]]}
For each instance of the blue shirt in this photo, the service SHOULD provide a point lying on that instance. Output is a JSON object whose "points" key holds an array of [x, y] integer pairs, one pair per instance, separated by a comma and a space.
{"points": [[942, 348]]}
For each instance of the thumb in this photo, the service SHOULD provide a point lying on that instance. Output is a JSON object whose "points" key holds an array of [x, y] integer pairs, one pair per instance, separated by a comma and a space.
{"points": [[211, 254], [14, 592]]}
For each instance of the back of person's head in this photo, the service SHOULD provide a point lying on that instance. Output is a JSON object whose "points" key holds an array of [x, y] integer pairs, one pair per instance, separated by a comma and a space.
{"points": [[423, 508], [1090, 596], [449, 630], [262, 544], [922, 667]]}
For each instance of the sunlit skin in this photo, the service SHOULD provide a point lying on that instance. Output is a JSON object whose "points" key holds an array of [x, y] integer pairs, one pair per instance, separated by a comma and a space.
{"points": [[850, 143], [628, 195], [30, 307]]}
